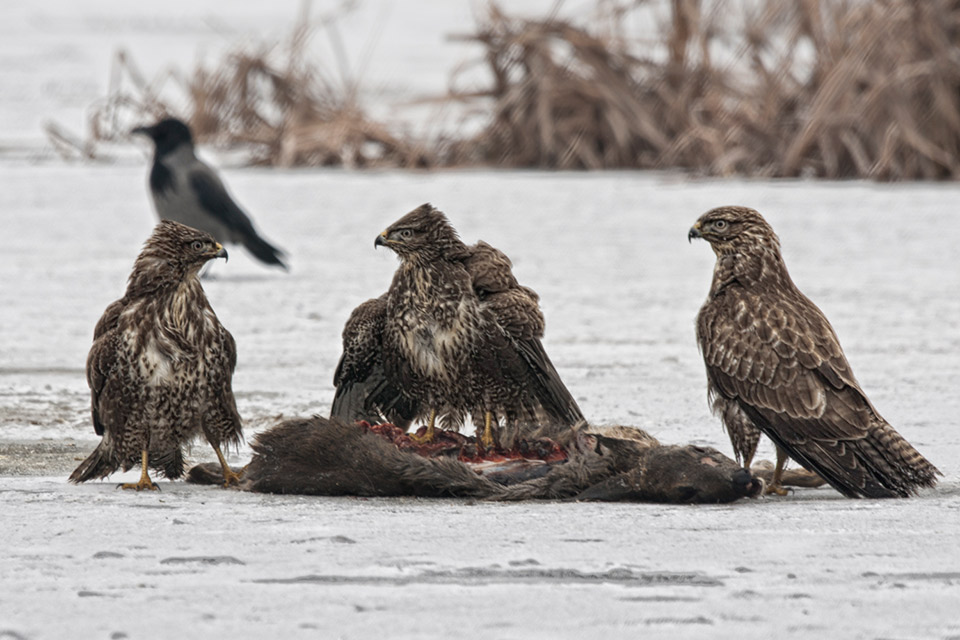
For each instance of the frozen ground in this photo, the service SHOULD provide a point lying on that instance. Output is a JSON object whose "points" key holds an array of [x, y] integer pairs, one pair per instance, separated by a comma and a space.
{"points": [[620, 287]]}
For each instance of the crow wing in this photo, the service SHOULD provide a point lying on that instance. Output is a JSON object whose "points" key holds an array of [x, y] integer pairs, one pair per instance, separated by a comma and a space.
{"points": [[215, 200]]}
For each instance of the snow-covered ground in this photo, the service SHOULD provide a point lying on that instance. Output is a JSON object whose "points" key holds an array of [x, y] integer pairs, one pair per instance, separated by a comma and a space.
{"points": [[620, 287]]}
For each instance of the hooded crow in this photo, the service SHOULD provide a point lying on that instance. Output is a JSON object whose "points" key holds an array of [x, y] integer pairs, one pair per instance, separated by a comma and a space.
{"points": [[186, 190]]}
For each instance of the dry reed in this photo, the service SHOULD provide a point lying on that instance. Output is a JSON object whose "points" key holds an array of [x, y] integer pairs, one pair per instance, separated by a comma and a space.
{"points": [[278, 106], [826, 88]]}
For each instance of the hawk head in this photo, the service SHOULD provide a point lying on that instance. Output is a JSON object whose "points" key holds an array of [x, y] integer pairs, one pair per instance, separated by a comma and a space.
{"points": [[423, 234], [731, 230], [167, 135], [172, 254]]}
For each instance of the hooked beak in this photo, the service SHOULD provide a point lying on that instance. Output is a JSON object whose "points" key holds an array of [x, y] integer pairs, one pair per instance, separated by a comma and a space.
{"points": [[222, 253], [694, 232], [381, 240], [142, 131]]}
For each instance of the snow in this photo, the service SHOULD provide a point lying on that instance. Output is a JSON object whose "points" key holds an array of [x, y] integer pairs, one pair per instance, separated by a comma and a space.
{"points": [[620, 287]]}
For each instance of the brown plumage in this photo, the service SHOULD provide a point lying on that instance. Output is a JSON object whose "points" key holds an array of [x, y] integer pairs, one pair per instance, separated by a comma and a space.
{"points": [[363, 391], [774, 365], [161, 364], [455, 335]]}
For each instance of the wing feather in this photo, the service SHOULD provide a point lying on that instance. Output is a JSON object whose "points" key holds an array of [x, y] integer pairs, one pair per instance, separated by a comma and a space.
{"points": [[102, 359], [518, 318], [214, 198], [787, 372], [363, 389]]}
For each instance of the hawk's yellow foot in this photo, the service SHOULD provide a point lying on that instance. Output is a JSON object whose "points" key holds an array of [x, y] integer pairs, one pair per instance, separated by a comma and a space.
{"points": [[429, 435], [486, 439], [777, 489], [776, 484], [229, 476], [144, 482]]}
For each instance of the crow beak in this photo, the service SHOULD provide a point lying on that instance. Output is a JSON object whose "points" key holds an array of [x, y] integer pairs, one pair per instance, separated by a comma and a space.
{"points": [[222, 253], [694, 232], [381, 240]]}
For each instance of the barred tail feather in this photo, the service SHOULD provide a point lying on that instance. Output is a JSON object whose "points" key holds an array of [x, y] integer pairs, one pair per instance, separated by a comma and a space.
{"points": [[99, 464], [899, 466], [169, 463], [882, 464]]}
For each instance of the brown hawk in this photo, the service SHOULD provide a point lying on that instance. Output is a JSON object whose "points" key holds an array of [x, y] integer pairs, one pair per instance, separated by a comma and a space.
{"points": [[161, 364], [774, 365], [455, 334]]}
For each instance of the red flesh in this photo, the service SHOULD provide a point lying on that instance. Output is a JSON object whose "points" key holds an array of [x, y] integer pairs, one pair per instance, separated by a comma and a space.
{"points": [[452, 443]]}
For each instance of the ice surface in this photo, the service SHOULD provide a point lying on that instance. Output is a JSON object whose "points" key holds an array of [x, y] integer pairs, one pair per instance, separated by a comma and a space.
{"points": [[620, 287], [211, 563]]}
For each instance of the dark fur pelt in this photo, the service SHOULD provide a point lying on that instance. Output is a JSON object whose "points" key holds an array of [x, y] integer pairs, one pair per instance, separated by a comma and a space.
{"points": [[317, 456]]}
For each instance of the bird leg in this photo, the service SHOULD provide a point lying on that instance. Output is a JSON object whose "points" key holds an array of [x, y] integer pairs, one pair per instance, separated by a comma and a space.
{"points": [[486, 439], [229, 476], [775, 484], [145, 482], [428, 436]]}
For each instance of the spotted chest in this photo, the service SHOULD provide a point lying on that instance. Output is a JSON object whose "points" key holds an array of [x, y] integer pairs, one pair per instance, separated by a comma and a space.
{"points": [[431, 319], [175, 359]]}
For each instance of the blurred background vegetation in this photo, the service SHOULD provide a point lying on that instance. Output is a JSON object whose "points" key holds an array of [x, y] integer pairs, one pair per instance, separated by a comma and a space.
{"points": [[812, 88]]}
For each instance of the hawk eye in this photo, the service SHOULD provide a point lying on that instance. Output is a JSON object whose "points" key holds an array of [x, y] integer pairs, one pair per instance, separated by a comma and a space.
{"points": [[719, 225], [406, 234], [196, 245]]}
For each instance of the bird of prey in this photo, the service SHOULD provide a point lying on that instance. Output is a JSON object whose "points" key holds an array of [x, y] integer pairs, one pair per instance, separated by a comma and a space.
{"points": [[363, 390], [454, 335], [161, 364], [185, 189], [774, 365]]}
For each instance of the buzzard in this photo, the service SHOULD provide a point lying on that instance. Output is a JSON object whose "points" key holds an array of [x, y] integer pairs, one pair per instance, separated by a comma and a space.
{"points": [[455, 334], [161, 364], [774, 365]]}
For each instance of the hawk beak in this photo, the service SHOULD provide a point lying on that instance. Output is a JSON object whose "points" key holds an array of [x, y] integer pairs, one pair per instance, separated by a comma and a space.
{"points": [[381, 240], [222, 253], [694, 232]]}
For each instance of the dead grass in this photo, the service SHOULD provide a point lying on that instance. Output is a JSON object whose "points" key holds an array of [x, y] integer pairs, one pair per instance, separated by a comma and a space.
{"points": [[270, 100], [826, 88]]}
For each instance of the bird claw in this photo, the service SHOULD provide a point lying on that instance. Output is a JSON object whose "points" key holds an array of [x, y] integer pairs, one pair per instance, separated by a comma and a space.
{"points": [[426, 438], [778, 489], [231, 478], [486, 440], [140, 486]]}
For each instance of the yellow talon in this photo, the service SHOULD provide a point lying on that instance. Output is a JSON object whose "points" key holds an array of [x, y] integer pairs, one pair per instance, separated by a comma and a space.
{"points": [[776, 485], [486, 439], [777, 489], [429, 435], [229, 476], [144, 482]]}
